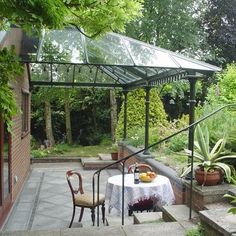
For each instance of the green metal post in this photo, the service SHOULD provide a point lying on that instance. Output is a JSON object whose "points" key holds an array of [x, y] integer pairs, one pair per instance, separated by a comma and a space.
{"points": [[125, 115], [147, 102], [192, 103]]}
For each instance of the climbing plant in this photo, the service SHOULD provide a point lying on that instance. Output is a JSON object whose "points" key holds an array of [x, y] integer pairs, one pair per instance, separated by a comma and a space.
{"points": [[10, 67]]}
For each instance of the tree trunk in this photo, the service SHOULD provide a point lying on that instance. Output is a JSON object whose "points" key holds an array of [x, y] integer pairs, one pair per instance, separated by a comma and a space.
{"points": [[48, 122], [113, 105], [68, 121]]}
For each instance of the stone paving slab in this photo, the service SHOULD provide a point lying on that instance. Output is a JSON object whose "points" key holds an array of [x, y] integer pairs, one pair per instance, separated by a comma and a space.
{"points": [[45, 202], [94, 231], [164, 229], [220, 220]]}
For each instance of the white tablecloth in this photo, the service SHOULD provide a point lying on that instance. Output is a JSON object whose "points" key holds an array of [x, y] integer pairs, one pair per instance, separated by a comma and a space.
{"points": [[159, 189]]}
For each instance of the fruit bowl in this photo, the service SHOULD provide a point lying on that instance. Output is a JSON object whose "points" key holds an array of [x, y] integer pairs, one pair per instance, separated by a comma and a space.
{"points": [[147, 177]]}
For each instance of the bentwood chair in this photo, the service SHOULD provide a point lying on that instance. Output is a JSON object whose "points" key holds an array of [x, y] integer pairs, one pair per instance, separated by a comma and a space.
{"points": [[83, 199], [142, 168], [141, 205]]}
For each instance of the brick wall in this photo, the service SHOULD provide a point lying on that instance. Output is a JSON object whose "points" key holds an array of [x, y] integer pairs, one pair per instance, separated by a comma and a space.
{"points": [[20, 146]]}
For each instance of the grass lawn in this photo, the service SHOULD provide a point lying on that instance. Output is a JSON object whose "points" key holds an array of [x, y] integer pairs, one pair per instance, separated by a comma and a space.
{"points": [[176, 161], [65, 150]]}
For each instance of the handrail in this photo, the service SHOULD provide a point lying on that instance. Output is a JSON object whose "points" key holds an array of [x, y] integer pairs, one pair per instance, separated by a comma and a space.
{"points": [[123, 160]]}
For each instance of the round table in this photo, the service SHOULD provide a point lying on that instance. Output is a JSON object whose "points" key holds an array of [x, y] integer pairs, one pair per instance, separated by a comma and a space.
{"points": [[159, 189]]}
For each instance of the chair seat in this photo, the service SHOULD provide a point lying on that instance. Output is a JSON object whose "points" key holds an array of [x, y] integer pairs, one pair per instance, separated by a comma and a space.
{"points": [[86, 199]]}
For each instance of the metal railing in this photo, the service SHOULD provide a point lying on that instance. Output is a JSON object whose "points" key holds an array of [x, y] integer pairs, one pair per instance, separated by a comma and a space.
{"points": [[123, 160]]}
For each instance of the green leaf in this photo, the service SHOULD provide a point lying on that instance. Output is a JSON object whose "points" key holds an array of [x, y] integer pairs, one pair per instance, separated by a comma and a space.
{"points": [[217, 149], [202, 142], [225, 168], [188, 169]]}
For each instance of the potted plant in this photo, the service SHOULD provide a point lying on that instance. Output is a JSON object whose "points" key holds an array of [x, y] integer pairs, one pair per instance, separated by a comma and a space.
{"points": [[208, 165], [114, 152]]}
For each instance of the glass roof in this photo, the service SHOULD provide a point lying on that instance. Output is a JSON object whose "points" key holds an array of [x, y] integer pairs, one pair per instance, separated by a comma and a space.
{"points": [[66, 57]]}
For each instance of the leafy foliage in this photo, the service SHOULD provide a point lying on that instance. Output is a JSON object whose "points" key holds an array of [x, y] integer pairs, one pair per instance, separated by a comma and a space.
{"points": [[220, 26], [199, 231], [206, 158], [169, 24], [136, 112], [95, 17], [225, 90], [10, 67], [221, 123], [233, 201]]}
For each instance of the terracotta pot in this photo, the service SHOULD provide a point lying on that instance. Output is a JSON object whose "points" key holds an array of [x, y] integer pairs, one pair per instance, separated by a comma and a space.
{"points": [[114, 156], [208, 178]]}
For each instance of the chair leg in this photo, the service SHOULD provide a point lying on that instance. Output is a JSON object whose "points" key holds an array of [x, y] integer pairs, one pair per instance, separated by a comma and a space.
{"points": [[73, 216], [81, 214], [103, 212], [93, 215]]}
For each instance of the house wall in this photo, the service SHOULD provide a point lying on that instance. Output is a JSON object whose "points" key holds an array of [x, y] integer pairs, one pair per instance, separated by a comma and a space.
{"points": [[20, 145]]}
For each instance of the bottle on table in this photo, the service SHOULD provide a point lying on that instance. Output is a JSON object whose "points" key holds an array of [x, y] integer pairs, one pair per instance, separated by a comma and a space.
{"points": [[136, 174]]}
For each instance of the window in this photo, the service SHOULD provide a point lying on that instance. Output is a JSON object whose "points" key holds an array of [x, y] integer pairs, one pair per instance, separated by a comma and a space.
{"points": [[25, 113]]}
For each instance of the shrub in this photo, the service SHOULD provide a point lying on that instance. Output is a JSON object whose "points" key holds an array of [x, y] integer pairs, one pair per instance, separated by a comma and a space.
{"points": [[220, 124], [39, 153], [136, 112], [179, 142]]}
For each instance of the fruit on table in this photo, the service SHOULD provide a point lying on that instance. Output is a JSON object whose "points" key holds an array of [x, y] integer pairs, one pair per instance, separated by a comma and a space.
{"points": [[147, 177]]}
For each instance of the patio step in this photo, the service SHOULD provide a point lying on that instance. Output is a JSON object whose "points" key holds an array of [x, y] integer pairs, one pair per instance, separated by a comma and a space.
{"points": [[217, 205], [114, 220], [92, 163], [218, 222], [180, 213], [104, 156], [147, 217]]}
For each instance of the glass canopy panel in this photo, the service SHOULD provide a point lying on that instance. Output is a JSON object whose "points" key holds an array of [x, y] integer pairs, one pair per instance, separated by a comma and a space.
{"points": [[40, 72], [62, 46], [62, 73], [108, 50], [102, 77], [123, 74], [144, 55], [90, 74], [193, 64]]}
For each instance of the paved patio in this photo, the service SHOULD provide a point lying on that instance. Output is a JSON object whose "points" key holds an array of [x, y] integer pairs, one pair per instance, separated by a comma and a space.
{"points": [[45, 202]]}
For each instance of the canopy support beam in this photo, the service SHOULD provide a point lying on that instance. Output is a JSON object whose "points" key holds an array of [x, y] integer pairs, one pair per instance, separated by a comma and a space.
{"points": [[125, 115], [192, 80], [147, 103]]}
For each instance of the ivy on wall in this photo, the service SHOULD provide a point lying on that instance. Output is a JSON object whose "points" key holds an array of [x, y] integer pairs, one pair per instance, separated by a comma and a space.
{"points": [[10, 67]]}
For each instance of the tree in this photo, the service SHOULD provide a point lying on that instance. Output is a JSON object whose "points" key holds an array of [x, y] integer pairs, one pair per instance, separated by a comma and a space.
{"points": [[220, 26], [95, 17], [167, 23]]}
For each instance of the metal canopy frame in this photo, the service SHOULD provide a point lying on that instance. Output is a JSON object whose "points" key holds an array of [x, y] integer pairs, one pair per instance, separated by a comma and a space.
{"points": [[67, 58]]}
